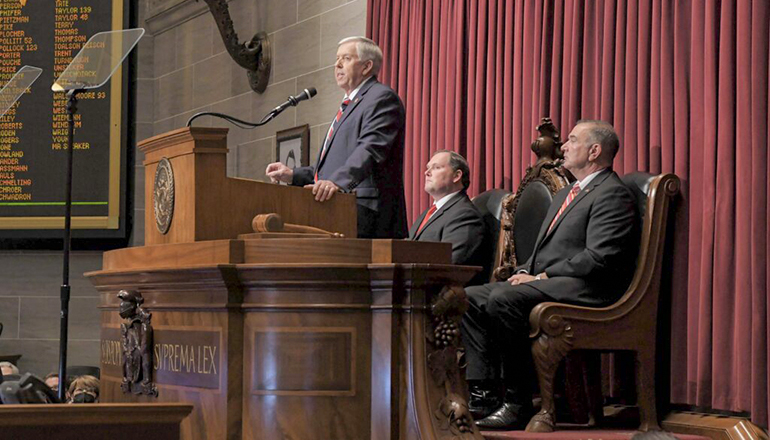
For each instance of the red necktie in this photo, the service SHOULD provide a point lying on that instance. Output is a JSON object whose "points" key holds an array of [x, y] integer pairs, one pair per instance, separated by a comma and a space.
{"points": [[425, 220], [331, 131], [570, 197]]}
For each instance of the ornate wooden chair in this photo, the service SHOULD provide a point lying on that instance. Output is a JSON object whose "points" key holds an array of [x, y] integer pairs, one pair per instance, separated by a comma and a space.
{"points": [[629, 324]]}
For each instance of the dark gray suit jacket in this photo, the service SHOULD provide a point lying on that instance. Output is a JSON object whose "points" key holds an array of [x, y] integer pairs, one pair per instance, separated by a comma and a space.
{"points": [[590, 254], [460, 223], [366, 156]]}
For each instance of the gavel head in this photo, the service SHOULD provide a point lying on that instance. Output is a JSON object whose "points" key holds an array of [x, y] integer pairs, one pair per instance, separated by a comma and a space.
{"points": [[267, 223]]}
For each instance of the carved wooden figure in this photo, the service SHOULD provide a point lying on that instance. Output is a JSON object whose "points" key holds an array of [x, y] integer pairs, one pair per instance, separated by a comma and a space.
{"points": [[547, 146], [136, 341]]}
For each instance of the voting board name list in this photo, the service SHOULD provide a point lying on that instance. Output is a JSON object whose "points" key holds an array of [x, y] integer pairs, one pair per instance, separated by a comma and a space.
{"points": [[34, 131]]}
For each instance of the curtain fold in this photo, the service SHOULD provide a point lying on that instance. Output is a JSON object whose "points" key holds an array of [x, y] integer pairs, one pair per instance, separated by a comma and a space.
{"points": [[685, 83]]}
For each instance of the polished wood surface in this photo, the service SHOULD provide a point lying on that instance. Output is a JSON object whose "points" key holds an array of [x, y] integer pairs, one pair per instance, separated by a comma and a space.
{"points": [[153, 421], [713, 426], [277, 250], [332, 349], [208, 205], [175, 255]]}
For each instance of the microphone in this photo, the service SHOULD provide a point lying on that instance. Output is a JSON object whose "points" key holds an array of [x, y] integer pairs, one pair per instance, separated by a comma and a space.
{"points": [[294, 100]]}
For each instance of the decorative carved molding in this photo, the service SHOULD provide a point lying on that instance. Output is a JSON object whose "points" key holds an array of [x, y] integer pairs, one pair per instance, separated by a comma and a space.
{"points": [[444, 352], [548, 350], [155, 7], [547, 170], [137, 344], [547, 146], [163, 15]]}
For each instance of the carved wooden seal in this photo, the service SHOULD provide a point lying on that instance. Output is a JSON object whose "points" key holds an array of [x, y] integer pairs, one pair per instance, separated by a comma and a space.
{"points": [[163, 195]]}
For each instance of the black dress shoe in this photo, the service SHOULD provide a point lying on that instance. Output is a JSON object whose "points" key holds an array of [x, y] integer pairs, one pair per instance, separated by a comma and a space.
{"points": [[510, 416], [484, 399]]}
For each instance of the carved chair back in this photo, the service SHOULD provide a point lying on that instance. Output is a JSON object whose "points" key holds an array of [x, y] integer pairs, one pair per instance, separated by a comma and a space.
{"points": [[523, 214]]}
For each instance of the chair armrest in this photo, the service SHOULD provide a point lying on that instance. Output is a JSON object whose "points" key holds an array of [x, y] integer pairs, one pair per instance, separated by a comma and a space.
{"points": [[547, 317]]}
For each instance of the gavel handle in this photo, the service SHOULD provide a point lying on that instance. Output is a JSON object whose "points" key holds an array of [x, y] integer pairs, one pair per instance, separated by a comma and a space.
{"points": [[273, 223], [302, 229]]}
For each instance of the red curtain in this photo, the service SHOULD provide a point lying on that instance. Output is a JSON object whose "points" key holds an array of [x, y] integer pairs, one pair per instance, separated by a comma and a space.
{"points": [[685, 83]]}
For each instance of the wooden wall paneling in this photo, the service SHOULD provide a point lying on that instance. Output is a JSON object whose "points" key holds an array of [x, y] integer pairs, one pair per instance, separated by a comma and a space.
{"points": [[307, 369]]}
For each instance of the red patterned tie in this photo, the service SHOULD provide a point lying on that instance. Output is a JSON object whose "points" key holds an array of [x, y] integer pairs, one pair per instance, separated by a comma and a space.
{"points": [[570, 197], [331, 131], [425, 220]]}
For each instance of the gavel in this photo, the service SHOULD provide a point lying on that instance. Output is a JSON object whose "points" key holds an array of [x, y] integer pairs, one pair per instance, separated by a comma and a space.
{"points": [[274, 223]]}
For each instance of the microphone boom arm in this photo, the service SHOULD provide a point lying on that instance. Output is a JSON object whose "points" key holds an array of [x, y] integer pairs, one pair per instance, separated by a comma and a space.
{"points": [[291, 101]]}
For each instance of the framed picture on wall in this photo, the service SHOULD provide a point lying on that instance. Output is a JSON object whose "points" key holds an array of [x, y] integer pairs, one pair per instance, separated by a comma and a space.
{"points": [[292, 146]]}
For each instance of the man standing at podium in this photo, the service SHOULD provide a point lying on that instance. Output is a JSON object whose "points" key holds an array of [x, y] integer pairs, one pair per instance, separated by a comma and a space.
{"points": [[363, 151]]}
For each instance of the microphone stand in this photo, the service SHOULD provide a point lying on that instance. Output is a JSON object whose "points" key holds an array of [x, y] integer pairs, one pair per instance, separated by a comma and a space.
{"points": [[72, 108], [291, 101], [235, 121]]}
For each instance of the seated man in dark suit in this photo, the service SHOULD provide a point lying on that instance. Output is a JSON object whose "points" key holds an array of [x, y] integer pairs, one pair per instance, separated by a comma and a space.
{"points": [[584, 254], [453, 218]]}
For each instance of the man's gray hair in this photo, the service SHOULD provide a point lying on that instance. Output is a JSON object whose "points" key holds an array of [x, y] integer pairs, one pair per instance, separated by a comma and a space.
{"points": [[458, 162], [6, 364], [602, 133], [367, 50]]}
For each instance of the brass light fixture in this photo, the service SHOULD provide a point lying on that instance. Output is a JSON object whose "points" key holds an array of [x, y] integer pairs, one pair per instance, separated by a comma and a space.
{"points": [[253, 55]]}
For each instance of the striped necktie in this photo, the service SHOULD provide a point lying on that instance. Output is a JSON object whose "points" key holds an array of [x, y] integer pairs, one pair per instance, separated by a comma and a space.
{"points": [[570, 197], [336, 121]]}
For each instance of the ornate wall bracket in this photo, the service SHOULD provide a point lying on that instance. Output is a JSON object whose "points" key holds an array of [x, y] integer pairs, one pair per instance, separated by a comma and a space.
{"points": [[254, 55], [137, 343]]}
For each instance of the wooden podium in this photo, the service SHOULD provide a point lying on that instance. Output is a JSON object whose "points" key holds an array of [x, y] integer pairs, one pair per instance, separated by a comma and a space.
{"points": [[301, 338]]}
